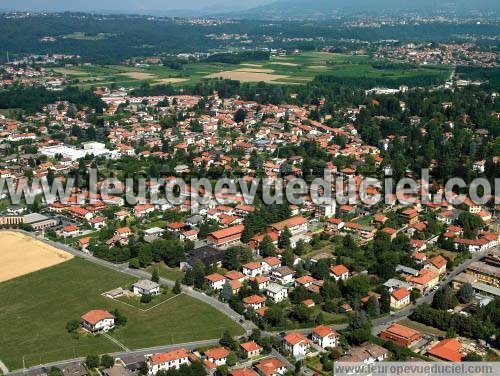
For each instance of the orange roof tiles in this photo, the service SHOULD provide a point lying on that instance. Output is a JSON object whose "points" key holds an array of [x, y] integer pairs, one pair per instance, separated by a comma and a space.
{"points": [[338, 270], [447, 349], [97, 315], [402, 331], [250, 346], [168, 356], [217, 353], [400, 293], [323, 331], [294, 338]]}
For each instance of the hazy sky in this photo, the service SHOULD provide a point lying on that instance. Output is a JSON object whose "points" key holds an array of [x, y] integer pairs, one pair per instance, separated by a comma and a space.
{"points": [[125, 5]]}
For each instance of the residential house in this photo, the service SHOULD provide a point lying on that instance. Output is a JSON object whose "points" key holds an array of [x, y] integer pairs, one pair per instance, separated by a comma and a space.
{"points": [[296, 344], [98, 320], [146, 287], [251, 349], [270, 263], [283, 275], [270, 367], [252, 269], [400, 298], [367, 353], [437, 264], [324, 336], [254, 301], [217, 356], [215, 281], [167, 360], [277, 293], [339, 272]]}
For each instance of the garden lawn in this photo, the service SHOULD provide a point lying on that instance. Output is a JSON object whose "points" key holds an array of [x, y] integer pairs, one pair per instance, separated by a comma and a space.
{"points": [[36, 307]]}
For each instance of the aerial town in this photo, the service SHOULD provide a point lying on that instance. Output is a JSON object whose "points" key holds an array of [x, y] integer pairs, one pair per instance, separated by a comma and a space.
{"points": [[213, 282]]}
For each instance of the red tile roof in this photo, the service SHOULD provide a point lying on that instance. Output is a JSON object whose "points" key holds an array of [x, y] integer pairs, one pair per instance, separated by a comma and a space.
{"points": [[217, 353], [323, 331], [447, 349], [254, 299], [400, 293], [402, 331], [338, 270], [269, 366], [250, 346], [293, 338], [168, 356], [97, 315]]}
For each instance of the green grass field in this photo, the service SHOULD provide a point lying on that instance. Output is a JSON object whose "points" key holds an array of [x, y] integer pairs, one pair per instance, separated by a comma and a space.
{"points": [[37, 306], [293, 69]]}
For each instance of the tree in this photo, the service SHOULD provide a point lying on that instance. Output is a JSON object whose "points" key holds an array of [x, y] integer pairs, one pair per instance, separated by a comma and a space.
{"points": [[240, 115], [473, 357], [288, 257], [107, 361], [267, 248], [155, 277], [92, 361], [415, 294], [228, 341], [444, 298], [72, 325], [385, 301], [465, 293], [120, 320], [227, 291], [177, 289], [300, 248], [145, 256], [146, 298], [232, 359], [372, 306], [284, 239], [360, 328], [274, 315]]}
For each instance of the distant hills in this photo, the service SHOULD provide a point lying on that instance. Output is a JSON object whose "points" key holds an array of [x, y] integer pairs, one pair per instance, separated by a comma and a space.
{"points": [[323, 9]]}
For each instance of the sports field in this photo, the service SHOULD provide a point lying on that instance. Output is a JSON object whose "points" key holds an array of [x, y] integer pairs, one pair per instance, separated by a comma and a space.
{"points": [[36, 307], [20, 255], [293, 69]]}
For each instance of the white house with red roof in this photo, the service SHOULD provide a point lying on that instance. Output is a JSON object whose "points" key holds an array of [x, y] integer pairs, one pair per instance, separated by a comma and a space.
{"points": [[270, 263], [324, 336], [251, 349], [252, 269], [215, 281], [167, 360], [98, 320], [339, 272], [217, 356], [400, 298], [270, 367], [254, 301], [296, 344]]}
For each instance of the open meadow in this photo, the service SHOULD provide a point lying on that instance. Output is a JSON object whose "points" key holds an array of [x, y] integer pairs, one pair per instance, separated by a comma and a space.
{"points": [[292, 70], [37, 306]]}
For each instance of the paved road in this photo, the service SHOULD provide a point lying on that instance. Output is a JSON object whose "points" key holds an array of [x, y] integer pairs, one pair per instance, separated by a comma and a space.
{"points": [[128, 357]]}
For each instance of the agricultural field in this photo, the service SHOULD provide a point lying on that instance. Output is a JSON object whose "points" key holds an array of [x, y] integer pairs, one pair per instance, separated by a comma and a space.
{"points": [[21, 254], [37, 306], [290, 70]]}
